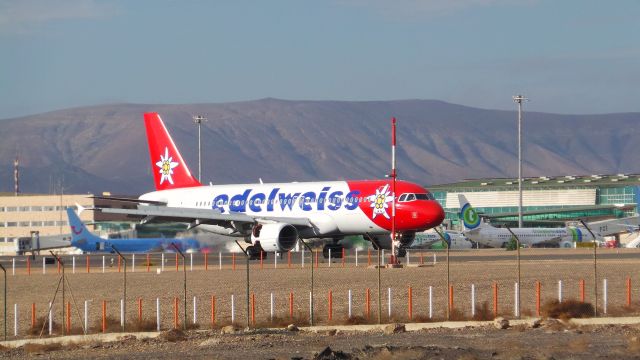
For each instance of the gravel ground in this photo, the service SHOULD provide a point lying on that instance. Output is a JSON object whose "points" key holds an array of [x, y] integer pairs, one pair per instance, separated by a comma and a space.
{"points": [[551, 341]]}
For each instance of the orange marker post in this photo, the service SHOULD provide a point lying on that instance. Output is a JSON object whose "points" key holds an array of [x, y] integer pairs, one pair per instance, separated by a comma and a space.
{"points": [[330, 305], [451, 297], [140, 310], [148, 263], [206, 261], [104, 316], [289, 259], [68, 314], [538, 294], [291, 304], [343, 256], [411, 303], [495, 299], [628, 291], [28, 265], [581, 290], [367, 309], [175, 313], [253, 309], [88, 265], [33, 315], [213, 310], [58, 267]]}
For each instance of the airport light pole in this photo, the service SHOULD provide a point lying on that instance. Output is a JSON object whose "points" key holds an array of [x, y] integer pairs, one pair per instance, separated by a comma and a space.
{"points": [[198, 119], [519, 99]]}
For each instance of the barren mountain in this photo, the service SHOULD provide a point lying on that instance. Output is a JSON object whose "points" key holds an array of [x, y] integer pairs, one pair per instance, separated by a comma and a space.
{"points": [[103, 148]]}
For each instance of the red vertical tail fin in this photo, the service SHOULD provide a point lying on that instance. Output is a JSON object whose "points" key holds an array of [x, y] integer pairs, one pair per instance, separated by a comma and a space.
{"points": [[169, 169]]}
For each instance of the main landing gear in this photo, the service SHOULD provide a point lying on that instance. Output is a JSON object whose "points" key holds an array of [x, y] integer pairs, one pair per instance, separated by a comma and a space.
{"points": [[254, 252], [336, 251]]}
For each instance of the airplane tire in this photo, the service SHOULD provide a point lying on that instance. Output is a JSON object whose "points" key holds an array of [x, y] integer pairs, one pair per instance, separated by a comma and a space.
{"points": [[336, 251]]}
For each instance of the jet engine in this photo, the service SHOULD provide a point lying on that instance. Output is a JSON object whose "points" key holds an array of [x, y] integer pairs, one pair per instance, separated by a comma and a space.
{"points": [[277, 237]]}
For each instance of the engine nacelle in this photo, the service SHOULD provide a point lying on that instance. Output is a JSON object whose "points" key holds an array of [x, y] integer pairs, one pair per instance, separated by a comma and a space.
{"points": [[275, 237]]}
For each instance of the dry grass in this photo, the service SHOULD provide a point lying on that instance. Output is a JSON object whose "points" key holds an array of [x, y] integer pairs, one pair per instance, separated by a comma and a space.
{"points": [[30, 348], [144, 325], [112, 325], [484, 312], [567, 309]]}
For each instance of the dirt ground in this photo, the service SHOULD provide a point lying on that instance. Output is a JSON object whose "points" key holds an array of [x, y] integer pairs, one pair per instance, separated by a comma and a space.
{"points": [[551, 341], [417, 294]]}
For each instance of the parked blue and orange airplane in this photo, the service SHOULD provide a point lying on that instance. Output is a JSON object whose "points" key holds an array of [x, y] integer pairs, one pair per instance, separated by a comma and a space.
{"points": [[84, 240]]}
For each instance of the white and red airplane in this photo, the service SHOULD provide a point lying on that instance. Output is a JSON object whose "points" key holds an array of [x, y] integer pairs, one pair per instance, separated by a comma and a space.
{"points": [[271, 217]]}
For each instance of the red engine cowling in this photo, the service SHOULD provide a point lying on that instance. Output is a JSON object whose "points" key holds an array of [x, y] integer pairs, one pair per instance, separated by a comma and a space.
{"points": [[276, 237]]}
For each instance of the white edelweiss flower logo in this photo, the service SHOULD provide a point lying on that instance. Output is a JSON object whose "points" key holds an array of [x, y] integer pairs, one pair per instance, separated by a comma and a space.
{"points": [[379, 202], [166, 165]]}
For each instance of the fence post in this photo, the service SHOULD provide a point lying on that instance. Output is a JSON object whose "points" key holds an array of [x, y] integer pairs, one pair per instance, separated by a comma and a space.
{"points": [[104, 316], [604, 294], [88, 267], [349, 301], [158, 314], [271, 307], [495, 299], [516, 296], [213, 310], [220, 260], [628, 291], [356, 257], [253, 309], [559, 290], [50, 320], [68, 317], [162, 262], [86, 317], [450, 298], [538, 295], [175, 312], [13, 266], [389, 300], [329, 257], [233, 310], [368, 304], [33, 315], [302, 258], [330, 305], [430, 302], [289, 259], [44, 269], [133, 262], [190, 261], [15, 319], [195, 311], [473, 300], [291, 304], [103, 264], [410, 303], [581, 290]]}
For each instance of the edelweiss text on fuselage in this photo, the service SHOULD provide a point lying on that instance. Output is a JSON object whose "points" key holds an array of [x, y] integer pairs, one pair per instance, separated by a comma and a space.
{"points": [[308, 201]]}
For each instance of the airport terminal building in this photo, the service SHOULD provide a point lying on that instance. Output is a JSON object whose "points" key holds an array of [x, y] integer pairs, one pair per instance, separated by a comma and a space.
{"points": [[546, 200]]}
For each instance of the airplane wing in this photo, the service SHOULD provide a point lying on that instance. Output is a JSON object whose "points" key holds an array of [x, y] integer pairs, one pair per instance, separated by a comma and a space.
{"points": [[203, 216]]}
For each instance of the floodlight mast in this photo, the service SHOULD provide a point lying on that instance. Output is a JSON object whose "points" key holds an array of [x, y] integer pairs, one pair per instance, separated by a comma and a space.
{"points": [[519, 99], [198, 119], [393, 175]]}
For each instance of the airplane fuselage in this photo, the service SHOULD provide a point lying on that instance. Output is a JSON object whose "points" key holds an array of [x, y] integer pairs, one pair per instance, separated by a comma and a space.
{"points": [[499, 237], [333, 208]]}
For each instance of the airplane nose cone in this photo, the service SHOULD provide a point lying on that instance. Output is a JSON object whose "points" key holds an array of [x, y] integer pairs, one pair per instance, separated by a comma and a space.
{"points": [[433, 214]]}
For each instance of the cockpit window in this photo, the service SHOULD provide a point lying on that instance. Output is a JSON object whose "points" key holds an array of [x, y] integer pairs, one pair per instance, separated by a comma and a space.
{"points": [[402, 198], [427, 196], [411, 197]]}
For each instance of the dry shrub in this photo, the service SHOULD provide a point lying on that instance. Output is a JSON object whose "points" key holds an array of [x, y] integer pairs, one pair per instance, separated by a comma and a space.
{"points": [[423, 319], [456, 315], [144, 325], [173, 335], [567, 309], [484, 312], [299, 320], [43, 320], [358, 320], [113, 325], [30, 348]]}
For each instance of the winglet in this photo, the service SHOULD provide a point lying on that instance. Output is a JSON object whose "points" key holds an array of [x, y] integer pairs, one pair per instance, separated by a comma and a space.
{"points": [[169, 169]]}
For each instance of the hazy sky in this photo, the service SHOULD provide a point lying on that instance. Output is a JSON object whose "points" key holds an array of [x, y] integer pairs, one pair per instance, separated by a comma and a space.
{"points": [[568, 56]]}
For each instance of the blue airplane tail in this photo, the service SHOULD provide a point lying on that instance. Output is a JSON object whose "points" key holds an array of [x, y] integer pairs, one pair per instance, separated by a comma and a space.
{"points": [[80, 235]]}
